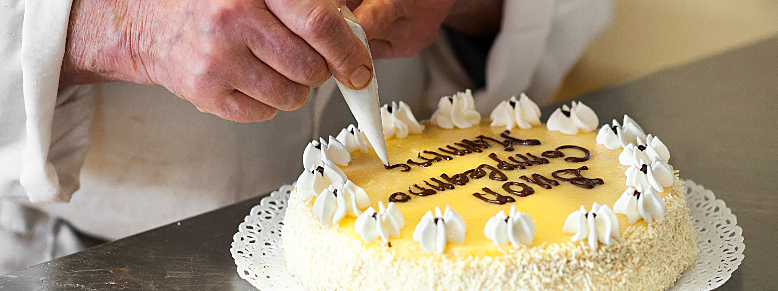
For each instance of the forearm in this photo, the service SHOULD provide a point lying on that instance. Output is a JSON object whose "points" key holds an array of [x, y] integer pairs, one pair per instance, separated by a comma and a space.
{"points": [[475, 17]]}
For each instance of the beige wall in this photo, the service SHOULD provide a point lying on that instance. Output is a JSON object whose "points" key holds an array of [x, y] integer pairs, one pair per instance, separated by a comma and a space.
{"points": [[651, 35]]}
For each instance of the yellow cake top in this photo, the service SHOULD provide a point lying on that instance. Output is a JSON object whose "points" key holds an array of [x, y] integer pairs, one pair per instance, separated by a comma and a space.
{"points": [[547, 207]]}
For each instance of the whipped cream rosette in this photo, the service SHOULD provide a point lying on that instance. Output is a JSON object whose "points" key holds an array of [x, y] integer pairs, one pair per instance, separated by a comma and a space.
{"points": [[312, 182], [318, 151], [385, 223], [456, 111], [434, 231], [600, 225], [516, 228], [571, 120], [653, 150], [523, 113], [353, 139], [640, 203], [616, 135], [398, 120], [339, 200]]}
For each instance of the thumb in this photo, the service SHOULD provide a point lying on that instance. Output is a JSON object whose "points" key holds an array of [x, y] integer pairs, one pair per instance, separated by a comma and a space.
{"points": [[319, 23]]}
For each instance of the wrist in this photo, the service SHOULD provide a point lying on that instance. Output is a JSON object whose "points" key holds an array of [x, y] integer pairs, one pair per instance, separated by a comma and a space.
{"points": [[98, 46]]}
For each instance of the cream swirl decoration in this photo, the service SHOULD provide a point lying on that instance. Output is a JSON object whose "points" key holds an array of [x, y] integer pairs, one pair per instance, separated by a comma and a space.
{"points": [[616, 135], [571, 120], [516, 228], [312, 182], [636, 204], [398, 120], [339, 200], [657, 148], [632, 155], [434, 231], [353, 139], [522, 113], [318, 151], [609, 136], [653, 150], [456, 111], [383, 224], [597, 226], [658, 175]]}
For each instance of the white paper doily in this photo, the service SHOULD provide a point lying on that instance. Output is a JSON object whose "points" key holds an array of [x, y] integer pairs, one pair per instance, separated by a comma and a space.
{"points": [[256, 247]]}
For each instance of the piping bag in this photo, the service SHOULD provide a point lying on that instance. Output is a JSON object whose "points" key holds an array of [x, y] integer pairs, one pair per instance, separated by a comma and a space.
{"points": [[364, 103]]}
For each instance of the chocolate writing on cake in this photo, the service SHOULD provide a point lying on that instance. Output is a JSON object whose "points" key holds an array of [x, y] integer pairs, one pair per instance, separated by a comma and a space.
{"points": [[495, 170]]}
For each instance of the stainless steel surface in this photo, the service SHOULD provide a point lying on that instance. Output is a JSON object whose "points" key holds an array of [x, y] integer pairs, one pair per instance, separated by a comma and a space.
{"points": [[193, 254], [717, 116]]}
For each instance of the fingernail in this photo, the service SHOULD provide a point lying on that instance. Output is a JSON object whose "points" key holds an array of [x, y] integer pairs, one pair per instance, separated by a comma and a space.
{"points": [[360, 77]]}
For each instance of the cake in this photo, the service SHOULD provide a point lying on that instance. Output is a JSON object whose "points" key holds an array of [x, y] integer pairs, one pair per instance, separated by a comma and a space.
{"points": [[505, 203]]}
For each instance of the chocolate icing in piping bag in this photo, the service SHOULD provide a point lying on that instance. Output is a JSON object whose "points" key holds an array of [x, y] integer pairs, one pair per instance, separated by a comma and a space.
{"points": [[364, 103]]}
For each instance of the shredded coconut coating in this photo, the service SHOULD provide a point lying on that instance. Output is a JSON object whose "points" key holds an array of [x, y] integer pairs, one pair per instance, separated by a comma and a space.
{"points": [[643, 258]]}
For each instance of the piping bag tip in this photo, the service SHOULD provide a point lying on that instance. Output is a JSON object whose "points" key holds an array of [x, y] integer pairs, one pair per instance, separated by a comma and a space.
{"points": [[364, 104]]}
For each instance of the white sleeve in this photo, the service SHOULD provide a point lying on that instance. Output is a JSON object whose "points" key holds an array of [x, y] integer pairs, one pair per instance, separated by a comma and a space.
{"points": [[538, 43], [574, 25], [32, 46]]}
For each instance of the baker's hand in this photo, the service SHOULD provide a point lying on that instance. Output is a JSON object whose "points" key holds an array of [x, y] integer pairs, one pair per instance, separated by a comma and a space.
{"points": [[239, 59], [399, 28], [402, 28]]}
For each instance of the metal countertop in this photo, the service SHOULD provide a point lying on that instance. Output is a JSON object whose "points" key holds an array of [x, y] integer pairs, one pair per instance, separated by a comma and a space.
{"points": [[717, 116]]}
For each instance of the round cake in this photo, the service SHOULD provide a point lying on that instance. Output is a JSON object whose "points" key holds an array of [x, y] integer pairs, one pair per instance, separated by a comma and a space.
{"points": [[505, 203]]}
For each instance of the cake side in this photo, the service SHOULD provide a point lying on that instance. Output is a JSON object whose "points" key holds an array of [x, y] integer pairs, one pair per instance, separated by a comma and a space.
{"points": [[646, 258]]}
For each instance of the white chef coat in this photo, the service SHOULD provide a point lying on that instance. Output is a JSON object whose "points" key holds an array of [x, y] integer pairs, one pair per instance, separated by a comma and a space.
{"points": [[131, 157]]}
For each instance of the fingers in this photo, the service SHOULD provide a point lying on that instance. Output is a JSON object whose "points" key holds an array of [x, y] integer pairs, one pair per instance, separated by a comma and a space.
{"points": [[319, 23], [285, 52], [239, 107], [376, 15], [351, 4], [403, 38], [401, 28], [383, 49], [263, 83], [249, 91]]}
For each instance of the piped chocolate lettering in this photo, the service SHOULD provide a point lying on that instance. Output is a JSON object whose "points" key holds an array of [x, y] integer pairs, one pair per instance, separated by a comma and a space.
{"points": [[441, 186], [586, 157], [516, 141], [424, 191], [578, 179], [525, 189], [507, 145], [399, 197], [505, 165], [405, 167], [434, 159], [425, 164], [473, 146], [445, 157], [494, 173], [454, 151], [498, 199], [457, 179], [540, 180]]}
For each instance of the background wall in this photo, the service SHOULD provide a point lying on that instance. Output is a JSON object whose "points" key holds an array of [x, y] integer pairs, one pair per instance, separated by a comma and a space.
{"points": [[650, 35]]}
